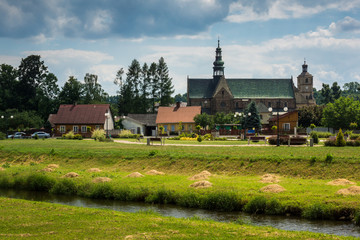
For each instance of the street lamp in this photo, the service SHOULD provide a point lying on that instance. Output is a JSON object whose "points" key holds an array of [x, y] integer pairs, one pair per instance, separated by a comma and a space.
{"points": [[107, 115], [278, 126]]}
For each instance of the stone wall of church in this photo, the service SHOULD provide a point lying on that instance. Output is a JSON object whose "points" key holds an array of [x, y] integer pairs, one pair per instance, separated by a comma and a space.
{"points": [[222, 102]]}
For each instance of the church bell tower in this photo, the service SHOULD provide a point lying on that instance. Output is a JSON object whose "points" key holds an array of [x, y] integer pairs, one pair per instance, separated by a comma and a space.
{"points": [[218, 69]]}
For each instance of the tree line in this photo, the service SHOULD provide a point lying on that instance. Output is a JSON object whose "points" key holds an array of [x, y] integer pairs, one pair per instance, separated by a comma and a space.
{"points": [[29, 93]]}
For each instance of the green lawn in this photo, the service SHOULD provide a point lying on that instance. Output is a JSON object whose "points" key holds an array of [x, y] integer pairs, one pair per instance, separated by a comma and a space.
{"points": [[35, 220]]}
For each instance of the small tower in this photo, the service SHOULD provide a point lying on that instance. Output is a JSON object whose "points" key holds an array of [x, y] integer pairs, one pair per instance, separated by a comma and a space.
{"points": [[218, 71], [305, 84]]}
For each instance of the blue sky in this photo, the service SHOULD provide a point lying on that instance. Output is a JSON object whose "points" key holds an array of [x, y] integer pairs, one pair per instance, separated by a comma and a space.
{"points": [[259, 38]]}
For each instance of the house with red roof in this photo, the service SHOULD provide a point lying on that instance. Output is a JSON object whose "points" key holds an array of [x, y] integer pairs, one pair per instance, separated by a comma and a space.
{"points": [[171, 117], [82, 119]]}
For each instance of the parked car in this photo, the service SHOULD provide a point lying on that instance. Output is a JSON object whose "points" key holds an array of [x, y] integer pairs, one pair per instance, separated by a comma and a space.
{"points": [[40, 135], [17, 135]]}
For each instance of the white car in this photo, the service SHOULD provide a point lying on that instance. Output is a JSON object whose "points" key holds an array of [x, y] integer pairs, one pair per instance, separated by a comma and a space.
{"points": [[17, 135], [40, 135]]}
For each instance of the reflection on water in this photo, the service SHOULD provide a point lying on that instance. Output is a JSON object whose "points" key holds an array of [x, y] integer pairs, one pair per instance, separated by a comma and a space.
{"points": [[281, 222]]}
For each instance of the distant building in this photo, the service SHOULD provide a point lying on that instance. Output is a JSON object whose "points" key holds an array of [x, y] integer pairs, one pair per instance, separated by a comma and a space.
{"points": [[144, 124], [82, 119], [229, 95], [170, 118]]}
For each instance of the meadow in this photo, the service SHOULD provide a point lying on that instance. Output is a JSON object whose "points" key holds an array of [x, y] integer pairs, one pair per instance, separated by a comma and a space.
{"points": [[41, 220], [236, 173]]}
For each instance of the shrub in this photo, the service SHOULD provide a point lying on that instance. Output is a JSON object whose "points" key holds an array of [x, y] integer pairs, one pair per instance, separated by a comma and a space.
{"points": [[322, 134], [224, 201], [78, 137], [199, 139], [283, 140], [208, 136], [190, 200], [102, 191], [220, 138], [354, 136], [64, 186], [127, 134], [316, 211], [329, 158], [98, 134], [2, 136], [39, 182], [256, 205], [69, 135], [330, 143], [340, 141], [162, 196], [274, 207], [313, 160], [315, 136], [357, 218]]}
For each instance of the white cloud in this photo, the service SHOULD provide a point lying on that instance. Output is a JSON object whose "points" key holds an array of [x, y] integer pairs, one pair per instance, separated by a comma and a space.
{"points": [[99, 21], [71, 55], [106, 73]]}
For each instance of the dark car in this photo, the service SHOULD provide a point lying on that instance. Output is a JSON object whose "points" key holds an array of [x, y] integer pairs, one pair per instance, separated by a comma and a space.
{"points": [[17, 135], [40, 135]]}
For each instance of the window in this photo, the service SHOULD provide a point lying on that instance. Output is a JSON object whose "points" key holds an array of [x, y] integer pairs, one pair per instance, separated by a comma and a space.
{"points": [[285, 104], [75, 129], [83, 129], [165, 128], [306, 80], [183, 127], [261, 117], [223, 104], [269, 104], [173, 128], [62, 129], [286, 126], [237, 104]]}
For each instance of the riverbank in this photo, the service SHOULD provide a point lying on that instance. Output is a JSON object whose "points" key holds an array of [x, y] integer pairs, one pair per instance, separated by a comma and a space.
{"points": [[44, 220], [236, 175]]}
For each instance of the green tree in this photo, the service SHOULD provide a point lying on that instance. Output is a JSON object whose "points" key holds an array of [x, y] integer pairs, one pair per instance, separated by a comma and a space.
{"points": [[326, 94], [47, 96], [8, 87], [154, 85], [165, 83], [202, 120], [310, 114], [341, 113], [252, 120], [351, 89], [335, 91], [180, 97], [340, 141], [72, 91], [93, 92]]}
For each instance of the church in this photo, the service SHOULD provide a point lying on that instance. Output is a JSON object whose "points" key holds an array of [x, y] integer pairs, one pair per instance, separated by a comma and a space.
{"points": [[230, 95]]}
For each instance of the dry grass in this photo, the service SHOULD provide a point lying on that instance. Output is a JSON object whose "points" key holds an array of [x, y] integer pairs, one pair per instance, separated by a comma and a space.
{"points": [[94, 170], [47, 169], [201, 184], [340, 181], [270, 178], [273, 188], [71, 175], [53, 166], [101, 179], [201, 176], [135, 175], [353, 190], [2, 169], [154, 172]]}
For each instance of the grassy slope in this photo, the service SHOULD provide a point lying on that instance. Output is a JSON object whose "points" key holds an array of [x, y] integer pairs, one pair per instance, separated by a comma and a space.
{"points": [[44, 221], [237, 169]]}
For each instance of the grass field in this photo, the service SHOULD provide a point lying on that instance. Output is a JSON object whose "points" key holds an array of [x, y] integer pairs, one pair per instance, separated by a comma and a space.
{"points": [[52, 221], [237, 171]]}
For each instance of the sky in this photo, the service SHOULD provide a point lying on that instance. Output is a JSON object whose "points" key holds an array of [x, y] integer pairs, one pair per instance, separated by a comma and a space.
{"points": [[259, 38]]}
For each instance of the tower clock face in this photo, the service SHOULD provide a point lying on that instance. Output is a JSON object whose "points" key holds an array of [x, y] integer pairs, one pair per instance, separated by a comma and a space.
{"points": [[306, 87]]}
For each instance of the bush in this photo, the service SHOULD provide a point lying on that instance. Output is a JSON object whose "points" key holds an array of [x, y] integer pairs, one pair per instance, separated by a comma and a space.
{"points": [[223, 201], [355, 143], [316, 211], [2, 136], [274, 207], [64, 186], [128, 134], [357, 218], [162, 196], [69, 135], [313, 160], [340, 141], [315, 136], [330, 143], [98, 134], [39, 182], [257, 205], [354, 136], [199, 139], [329, 158], [190, 200], [322, 134], [208, 137]]}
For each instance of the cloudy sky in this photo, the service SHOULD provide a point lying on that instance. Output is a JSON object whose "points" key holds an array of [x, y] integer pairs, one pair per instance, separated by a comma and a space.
{"points": [[259, 38]]}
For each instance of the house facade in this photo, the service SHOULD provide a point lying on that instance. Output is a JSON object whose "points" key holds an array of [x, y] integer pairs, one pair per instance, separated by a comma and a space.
{"points": [[144, 124], [177, 119], [82, 119], [287, 121], [229, 95]]}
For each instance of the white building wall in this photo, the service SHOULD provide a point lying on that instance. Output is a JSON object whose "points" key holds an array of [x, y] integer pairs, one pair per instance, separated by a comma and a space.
{"points": [[133, 126]]}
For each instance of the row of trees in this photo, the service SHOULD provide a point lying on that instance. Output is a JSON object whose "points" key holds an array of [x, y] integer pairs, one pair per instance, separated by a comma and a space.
{"points": [[248, 120], [143, 87], [329, 94]]}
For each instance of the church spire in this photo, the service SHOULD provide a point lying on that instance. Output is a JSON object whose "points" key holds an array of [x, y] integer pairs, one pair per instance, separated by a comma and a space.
{"points": [[219, 63], [304, 66]]}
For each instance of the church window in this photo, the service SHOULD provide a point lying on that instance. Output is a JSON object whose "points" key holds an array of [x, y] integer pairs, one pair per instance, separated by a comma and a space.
{"points": [[237, 104], [269, 104], [285, 104], [222, 93], [306, 80], [223, 104]]}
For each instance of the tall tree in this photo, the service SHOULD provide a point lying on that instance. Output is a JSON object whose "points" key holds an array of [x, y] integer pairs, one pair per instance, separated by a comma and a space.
{"points": [[165, 83], [326, 94], [251, 120], [93, 92], [47, 96], [154, 85], [144, 89], [71, 92], [32, 74], [8, 87], [310, 114], [335, 91]]}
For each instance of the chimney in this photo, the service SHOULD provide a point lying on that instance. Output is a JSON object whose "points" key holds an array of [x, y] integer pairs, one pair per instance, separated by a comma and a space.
{"points": [[177, 106]]}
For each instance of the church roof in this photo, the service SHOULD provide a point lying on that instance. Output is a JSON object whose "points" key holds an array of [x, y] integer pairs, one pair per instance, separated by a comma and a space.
{"points": [[243, 88]]}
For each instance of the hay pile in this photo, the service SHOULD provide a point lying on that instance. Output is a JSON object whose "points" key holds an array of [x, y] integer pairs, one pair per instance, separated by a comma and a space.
{"points": [[201, 184], [53, 166], [94, 170], [135, 175], [101, 179], [154, 172], [71, 175], [270, 178], [201, 176], [353, 190], [340, 181], [273, 188], [47, 169], [2, 169]]}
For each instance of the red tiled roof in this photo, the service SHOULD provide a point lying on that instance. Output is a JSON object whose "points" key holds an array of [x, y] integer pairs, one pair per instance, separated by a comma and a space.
{"points": [[81, 114], [175, 115]]}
